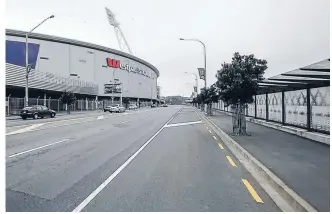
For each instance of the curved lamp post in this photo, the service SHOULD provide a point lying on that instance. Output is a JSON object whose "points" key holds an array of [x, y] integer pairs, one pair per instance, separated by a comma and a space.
{"points": [[27, 66]]}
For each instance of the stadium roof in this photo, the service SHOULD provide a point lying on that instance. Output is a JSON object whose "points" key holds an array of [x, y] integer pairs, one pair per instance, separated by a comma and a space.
{"points": [[314, 75], [57, 39]]}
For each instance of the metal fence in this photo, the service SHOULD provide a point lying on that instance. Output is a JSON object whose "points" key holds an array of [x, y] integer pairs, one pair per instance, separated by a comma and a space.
{"points": [[306, 108], [15, 105]]}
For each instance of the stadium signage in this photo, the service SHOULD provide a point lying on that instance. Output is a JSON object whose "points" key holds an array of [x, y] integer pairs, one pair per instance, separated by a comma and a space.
{"points": [[114, 63]]}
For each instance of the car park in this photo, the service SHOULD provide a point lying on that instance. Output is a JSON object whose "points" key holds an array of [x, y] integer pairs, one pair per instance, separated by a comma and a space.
{"points": [[37, 111]]}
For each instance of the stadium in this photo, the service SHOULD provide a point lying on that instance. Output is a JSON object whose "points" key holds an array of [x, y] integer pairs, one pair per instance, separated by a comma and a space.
{"points": [[91, 71]]}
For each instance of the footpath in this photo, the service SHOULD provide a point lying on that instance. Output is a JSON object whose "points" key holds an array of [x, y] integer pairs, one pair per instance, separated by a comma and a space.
{"points": [[302, 164]]}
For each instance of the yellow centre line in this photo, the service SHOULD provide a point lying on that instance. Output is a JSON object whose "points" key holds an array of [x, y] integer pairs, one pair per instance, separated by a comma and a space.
{"points": [[230, 161], [220, 146], [252, 191]]}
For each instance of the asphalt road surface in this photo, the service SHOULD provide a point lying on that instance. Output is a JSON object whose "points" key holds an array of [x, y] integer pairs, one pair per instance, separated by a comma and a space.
{"points": [[162, 159]]}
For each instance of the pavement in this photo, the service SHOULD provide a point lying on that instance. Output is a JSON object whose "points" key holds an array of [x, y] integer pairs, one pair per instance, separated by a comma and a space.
{"points": [[162, 159], [303, 164]]}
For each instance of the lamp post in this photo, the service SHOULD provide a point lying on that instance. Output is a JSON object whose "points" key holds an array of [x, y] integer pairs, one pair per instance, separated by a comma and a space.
{"points": [[139, 91], [27, 66], [196, 40], [196, 79]]}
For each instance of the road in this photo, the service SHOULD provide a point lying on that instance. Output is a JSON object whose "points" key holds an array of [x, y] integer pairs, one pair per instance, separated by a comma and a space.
{"points": [[163, 159]]}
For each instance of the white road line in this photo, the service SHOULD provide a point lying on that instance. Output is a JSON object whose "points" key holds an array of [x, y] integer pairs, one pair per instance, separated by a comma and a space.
{"points": [[26, 129], [183, 124], [110, 178], [122, 122], [214, 137], [210, 131], [30, 150], [100, 117]]}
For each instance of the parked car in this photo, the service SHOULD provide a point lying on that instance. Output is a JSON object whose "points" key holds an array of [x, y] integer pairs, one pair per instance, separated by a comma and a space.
{"points": [[132, 107], [164, 105], [153, 106], [37, 111], [115, 108]]}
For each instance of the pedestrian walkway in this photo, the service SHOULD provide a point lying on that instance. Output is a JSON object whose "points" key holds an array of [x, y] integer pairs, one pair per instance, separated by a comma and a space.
{"points": [[303, 164]]}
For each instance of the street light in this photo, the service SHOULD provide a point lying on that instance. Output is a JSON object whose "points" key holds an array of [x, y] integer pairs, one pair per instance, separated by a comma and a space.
{"points": [[196, 79], [196, 40], [27, 66]]}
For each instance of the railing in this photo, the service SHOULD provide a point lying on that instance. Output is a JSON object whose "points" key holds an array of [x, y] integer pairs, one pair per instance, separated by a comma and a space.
{"points": [[307, 108], [15, 105]]}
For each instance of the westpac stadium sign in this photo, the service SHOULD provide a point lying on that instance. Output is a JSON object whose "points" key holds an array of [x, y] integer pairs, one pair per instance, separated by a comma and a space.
{"points": [[114, 63]]}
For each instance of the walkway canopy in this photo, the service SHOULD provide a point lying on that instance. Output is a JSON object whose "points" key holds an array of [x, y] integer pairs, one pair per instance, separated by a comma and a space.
{"points": [[311, 76]]}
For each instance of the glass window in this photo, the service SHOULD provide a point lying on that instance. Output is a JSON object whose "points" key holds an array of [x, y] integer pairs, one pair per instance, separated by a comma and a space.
{"points": [[44, 108]]}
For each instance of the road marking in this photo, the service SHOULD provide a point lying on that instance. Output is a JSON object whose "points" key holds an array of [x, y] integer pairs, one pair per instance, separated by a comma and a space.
{"points": [[111, 177], [30, 150], [26, 129], [204, 124], [252, 191], [100, 117], [220, 146], [122, 122], [230, 161], [214, 137], [183, 124], [210, 131]]}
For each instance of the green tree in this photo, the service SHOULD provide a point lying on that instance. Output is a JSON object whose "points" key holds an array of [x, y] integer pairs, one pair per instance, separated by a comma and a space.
{"points": [[209, 96], [238, 83], [68, 98], [126, 101]]}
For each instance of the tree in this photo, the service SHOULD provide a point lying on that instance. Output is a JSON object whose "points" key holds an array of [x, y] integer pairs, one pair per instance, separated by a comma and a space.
{"points": [[68, 98], [126, 101], [208, 96], [238, 83]]}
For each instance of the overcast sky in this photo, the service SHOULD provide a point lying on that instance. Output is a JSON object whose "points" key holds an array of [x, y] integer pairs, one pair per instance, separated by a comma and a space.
{"points": [[287, 33]]}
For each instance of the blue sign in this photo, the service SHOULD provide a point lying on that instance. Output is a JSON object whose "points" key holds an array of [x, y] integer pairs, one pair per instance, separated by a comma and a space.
{"points": [[15, 53]]}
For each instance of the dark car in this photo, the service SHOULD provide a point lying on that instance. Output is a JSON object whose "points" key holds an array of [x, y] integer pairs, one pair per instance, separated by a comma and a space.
{"points": [[36, 112], [153, 106]]}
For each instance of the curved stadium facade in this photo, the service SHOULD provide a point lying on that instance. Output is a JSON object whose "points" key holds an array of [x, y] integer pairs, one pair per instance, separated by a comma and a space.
{"points": [[89, 70]]}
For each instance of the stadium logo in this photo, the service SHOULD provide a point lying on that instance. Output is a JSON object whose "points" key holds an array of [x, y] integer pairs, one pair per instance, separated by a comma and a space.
{"points": [[114, 63]]}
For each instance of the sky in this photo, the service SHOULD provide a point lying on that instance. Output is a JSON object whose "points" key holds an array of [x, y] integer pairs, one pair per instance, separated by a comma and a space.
{"points": [[288, 34]]}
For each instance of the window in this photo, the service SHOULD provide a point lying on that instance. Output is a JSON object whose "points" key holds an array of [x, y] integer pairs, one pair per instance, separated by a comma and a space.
{"points": [[38, 107], [44, 108]]}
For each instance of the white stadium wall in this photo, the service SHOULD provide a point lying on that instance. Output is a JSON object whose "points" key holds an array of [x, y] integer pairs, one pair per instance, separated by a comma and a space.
{"points": [[80, 64]]}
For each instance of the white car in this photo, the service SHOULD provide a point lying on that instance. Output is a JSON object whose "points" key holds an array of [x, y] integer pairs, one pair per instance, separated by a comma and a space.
{"points": [[132, 106], [115, 108]]}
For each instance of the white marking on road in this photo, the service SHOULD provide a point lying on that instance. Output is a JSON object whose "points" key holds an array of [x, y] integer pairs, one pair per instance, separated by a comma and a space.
{"points": [[122, 122], [210, 131], [110, 178], [214, 137], [30, 150], [26, 129], [183, 124], [100, 117]]}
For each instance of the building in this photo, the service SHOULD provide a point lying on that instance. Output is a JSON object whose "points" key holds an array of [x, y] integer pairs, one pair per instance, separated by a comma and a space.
{"points": [[90, 71]]}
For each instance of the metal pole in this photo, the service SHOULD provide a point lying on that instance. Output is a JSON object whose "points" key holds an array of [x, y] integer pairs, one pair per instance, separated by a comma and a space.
{"points": [[8, 104], [27, 61], [58, 105], [121, 95], [26, 70], [38, 100], [112, 88]]}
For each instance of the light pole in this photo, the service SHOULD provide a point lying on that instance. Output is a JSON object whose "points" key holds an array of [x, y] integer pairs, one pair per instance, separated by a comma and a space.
{"points": [[27, 66], [196, 40], [196, 79], [139, 91]]}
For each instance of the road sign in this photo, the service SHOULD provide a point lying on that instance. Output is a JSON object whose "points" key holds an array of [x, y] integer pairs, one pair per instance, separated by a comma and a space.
{"points": [[201, 72]]}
